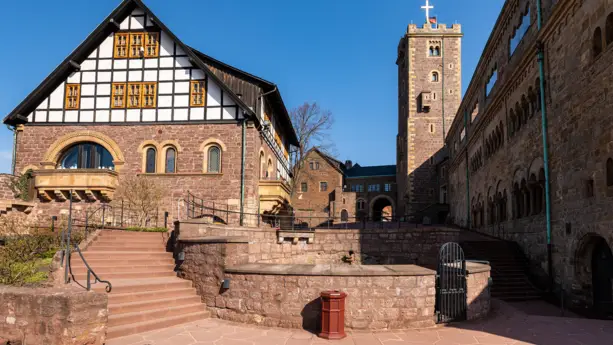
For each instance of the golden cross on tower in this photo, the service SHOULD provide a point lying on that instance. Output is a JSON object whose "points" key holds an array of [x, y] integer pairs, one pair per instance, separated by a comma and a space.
{"points": [[428, 7]]}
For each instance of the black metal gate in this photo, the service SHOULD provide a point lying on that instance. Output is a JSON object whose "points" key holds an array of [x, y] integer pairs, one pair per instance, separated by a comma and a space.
{"points": [[451, 284]]}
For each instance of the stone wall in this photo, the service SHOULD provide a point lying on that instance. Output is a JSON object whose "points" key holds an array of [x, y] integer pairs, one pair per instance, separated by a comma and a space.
{"points": [[293, 300], [58, 316], [477, 291], [5, 191], [34, 141], [579, 136], [412, 245]]}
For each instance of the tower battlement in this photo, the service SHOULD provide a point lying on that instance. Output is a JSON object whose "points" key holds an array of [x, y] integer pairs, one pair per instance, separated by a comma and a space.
{"points": [[440, 29]]}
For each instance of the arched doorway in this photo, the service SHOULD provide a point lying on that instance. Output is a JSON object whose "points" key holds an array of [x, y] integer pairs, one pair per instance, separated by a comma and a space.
{"points": [[344, 216], [382, 209], [602, 269], [594, 271]]}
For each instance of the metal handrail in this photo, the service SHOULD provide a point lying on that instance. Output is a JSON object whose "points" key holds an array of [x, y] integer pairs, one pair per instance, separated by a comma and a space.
{"points": [[196, 207], [91, 272]]}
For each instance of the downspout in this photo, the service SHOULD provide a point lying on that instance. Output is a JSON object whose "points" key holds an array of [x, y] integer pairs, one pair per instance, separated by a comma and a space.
{"points": [[243, 137], [14, 158], [541, 64], [443, 84], [467, 173]]}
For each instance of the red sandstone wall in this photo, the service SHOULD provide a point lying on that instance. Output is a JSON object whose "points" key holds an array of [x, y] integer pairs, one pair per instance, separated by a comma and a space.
{"points": [[5, 192], [477, 293], [34, 141], [58, 316]]}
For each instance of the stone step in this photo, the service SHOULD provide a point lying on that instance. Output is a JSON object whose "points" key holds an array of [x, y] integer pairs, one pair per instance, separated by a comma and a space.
{"points": [[142, 296], [151, 314], [147, 284], [82, 277], [128, 255], [130, 307], [102, 269], [93, 263], [116, 248], [149, 325], [125, 233], [122, 244]]}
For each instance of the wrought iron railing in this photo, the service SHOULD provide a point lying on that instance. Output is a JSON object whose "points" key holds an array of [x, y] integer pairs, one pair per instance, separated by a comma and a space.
{"points": [[219, 212], [91, 272]]}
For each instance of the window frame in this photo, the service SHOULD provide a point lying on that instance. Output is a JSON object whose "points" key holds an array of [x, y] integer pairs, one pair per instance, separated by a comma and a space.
{"points": [[174, 165], [304, 187], [143, 94], [131, 45], [77, 97], [192, 94], [114, 93], [82, 159], [154, 160], [155, 45], [129, 95], [115, 45], [323, 186], [208, 162]]}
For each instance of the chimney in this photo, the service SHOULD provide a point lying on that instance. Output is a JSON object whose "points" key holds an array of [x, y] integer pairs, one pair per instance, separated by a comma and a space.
{"points": [[348, 164]]}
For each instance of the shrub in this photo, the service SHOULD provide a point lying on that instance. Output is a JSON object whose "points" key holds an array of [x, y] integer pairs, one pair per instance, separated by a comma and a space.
{"points": [[141, 195]]}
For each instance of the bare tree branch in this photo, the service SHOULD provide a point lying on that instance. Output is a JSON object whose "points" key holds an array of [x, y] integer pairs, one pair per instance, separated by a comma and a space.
{"points": [[312, 125]]}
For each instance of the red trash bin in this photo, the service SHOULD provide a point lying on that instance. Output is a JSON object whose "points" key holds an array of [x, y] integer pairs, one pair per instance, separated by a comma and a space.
{"points": [[333, 314]]}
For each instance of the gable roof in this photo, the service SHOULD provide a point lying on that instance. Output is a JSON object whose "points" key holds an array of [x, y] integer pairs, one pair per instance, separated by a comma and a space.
{"points": [[226, 73], [372, 171], [336, 164], [109, 25]]}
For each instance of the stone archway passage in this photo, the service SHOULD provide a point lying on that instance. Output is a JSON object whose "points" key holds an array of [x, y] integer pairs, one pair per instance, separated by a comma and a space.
{"points": [[382, 210], [344, 216]]}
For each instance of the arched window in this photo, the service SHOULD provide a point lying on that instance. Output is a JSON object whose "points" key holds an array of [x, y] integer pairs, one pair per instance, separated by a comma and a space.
{"points": [[269, 168], [150, 160], [597, 42], [171, 160], [431, 51], [86, 155], [434, 77], [609, 29], [214, 160], [437, 51], [262, 172], [609, 172]]}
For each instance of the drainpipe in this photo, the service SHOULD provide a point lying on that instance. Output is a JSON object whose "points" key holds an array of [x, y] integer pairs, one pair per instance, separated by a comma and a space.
{"points": [[541, 64], [14, 159], [443, 84], [467, 173], [243, 139]]}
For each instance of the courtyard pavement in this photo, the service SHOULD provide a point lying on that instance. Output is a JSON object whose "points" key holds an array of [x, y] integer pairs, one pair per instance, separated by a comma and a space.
{"points": [[506, 325]]}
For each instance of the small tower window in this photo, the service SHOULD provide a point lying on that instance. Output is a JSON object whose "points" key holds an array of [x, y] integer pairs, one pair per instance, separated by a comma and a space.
{"points": [[431, 128], [434, 77], [609, 29], [597, 42]]}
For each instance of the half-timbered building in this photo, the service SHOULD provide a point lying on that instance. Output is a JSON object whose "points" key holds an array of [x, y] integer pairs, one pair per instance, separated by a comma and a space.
{"points": [[133, 99]]}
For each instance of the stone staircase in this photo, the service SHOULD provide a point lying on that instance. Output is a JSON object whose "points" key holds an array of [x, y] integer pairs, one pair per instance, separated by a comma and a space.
{"points": [[146, 294], [509, 267], [7, 206]]}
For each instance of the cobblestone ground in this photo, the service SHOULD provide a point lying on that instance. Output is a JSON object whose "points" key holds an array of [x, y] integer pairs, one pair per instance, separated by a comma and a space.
{"points": [[507, 325]]}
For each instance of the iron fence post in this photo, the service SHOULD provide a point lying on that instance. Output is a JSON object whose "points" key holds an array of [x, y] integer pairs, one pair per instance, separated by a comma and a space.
{"points": [[228, 213], [122, 213], [53, 218], [89, 284], [166, 219], [103, 215], [86, 223], [213, 212]]}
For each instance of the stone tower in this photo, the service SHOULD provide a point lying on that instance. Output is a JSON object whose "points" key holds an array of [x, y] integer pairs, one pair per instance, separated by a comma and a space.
{"points": [[429, 94]]}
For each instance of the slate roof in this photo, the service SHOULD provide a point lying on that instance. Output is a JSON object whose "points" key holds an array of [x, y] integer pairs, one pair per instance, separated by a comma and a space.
{"points": [[377, 170]]}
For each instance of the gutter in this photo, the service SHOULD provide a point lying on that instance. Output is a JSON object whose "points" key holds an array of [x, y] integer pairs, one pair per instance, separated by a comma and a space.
{"points": [[243, 139], [541, 63]]}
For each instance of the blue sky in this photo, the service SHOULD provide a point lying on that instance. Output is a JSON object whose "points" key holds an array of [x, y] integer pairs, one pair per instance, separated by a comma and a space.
{"points": [[338, 53]]}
